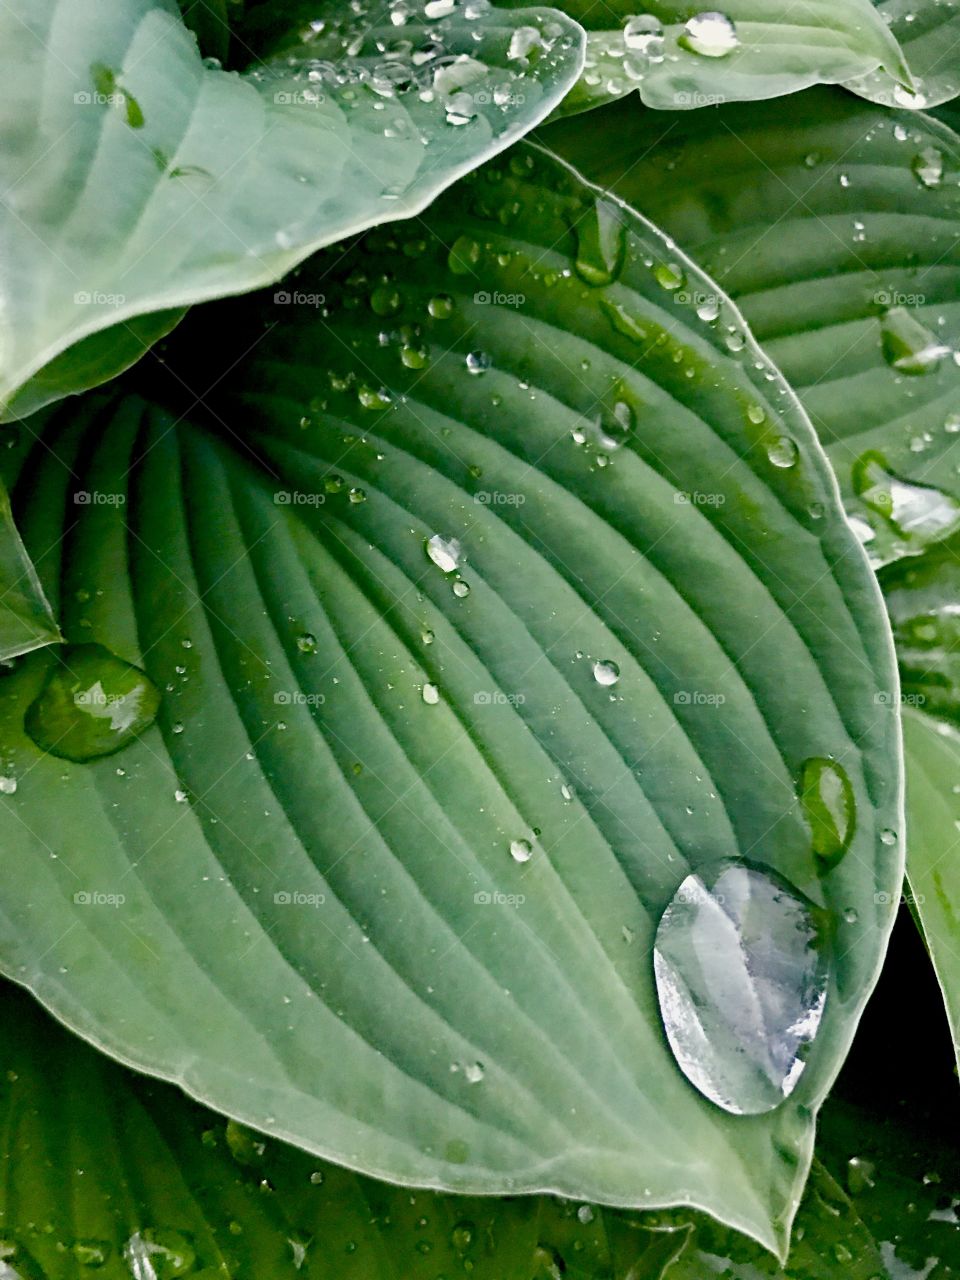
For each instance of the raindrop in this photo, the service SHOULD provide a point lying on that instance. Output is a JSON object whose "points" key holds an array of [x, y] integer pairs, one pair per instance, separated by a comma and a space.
{"points": [[741, 982], [920, 513], [474, 1072], [600, 244], [826, 796], [478, 362], [888, 836], [8, 785], [783, 452], [712, 35], [643, 33], [606, 672], [928, 167], [907, 345], [444, 552], [91, 704], [521, 850], [307, 643], [461, 588], [431, 694], [523, 42]]}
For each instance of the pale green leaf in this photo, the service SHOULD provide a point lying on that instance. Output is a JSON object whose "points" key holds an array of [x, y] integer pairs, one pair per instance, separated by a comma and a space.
{"points": [[393, 858], [142, 180], [929, 35]]}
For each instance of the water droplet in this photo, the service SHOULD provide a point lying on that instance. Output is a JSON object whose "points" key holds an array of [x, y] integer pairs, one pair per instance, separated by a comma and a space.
{"points": [[524, 42], [783, 452], [444, 552], [643, 33], [440, 306], [888, 836], [478, 362], [386, 300], [474, 1072], [741, 982], [829, 808], [461, 588], [307, 643], [669, 275], [851, 915], [585, 1214], [462, 1236], [8, 785], [606, 672], [155, 1254], [600, 244], [91, 704], [712, 35], [317, 1177], [521, 850], [928, 167], [91, 1253], [909, 346], [431, 694], [919, 513]]}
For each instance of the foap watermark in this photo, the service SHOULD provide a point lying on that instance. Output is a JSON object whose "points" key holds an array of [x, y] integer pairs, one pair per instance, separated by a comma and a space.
{"points": [[698, 99], [884, 698], [97, 498], [97, 298], [296, 298], [698, 698], [95, 898], [901, 900], [694, 894], [483, 298], [495, 898], [299, 98], [297, 698], [501, 96], [97, 697], [298, 498], [295, 898], [497, 698], [894, 298], [93, 98], [695, 498], [497, 498]]}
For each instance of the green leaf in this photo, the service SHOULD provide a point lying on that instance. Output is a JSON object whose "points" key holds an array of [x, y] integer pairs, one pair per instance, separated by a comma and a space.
{"points": [[835, 225], [774, 47], [933, 865], [110, 1171], [928, 32], [393, 858], [26, 620], [146, 180]]}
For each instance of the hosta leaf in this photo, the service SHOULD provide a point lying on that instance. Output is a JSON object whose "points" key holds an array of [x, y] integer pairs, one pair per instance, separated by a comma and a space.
{"points": [[922, 598], [108, 1172], [26, 621], [933, 848], [928, 32], [486, 604], [835, 226], [752, 49], [146, 180]]}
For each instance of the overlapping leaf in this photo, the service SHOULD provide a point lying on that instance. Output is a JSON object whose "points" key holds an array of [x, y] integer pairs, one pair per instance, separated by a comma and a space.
{"points": [[751, 49], [835, 225], [928, 32], [138, 179], [109, 1173], [392, 860]]}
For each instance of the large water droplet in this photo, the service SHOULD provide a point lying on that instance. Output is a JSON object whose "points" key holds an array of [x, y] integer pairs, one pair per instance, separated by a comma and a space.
{"points": [[444, 552], [712, 35], [643, 33], [928, 167], [918, 514], [908, 345], [91, 704], [741, 982], [606, 672], [600, 244], [829, 807]]}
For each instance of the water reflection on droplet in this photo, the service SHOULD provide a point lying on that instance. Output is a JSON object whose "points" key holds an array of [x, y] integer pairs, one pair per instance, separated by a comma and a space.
{"points": [[828, 804], [741, 981]]}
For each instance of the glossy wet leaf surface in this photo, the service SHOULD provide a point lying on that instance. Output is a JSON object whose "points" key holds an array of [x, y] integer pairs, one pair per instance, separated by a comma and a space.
{"points": [[679, 57], [436, 590], [834, 224], [26, 620], [149, 179]]}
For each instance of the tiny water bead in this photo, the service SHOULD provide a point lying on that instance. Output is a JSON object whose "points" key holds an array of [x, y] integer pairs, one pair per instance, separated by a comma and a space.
{"points": [[741, 981], [829, 807], [307, 643], [521, 850], [431, 695], [606, 672], [712, 35], [91, 704], [783, 452], [478, 362]]}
